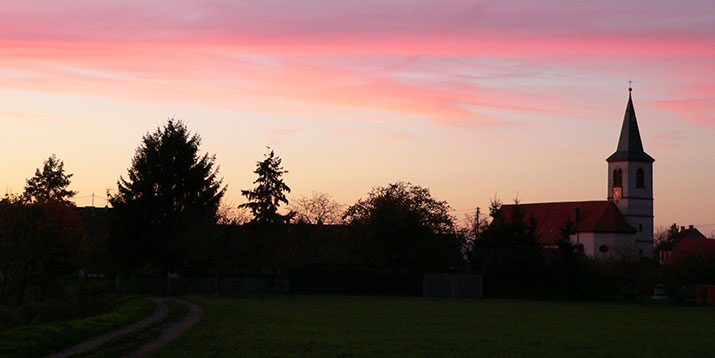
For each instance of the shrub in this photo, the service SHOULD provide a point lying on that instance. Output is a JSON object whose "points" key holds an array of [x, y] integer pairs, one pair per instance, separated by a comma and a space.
{"points": [[40, 243]]}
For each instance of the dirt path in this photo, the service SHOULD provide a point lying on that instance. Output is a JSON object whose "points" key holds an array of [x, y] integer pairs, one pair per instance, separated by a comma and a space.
{"points": [[192, 317], [159, 312]]}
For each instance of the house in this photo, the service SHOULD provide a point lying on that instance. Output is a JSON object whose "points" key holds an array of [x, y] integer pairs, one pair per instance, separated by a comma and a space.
{"points": [[689, 243], [620, 225]]}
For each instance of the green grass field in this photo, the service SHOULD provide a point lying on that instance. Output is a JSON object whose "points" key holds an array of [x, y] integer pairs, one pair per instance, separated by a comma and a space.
{"points": [[332, 326]]}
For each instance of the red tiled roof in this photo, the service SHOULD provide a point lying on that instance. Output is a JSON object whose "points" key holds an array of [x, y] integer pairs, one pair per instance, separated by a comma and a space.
{"points": [[594, 216], [692, 247]]}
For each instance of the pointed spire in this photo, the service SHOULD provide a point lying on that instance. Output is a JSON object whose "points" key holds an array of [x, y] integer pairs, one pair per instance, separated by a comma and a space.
{"points": [[630, 140], [630, 146]]}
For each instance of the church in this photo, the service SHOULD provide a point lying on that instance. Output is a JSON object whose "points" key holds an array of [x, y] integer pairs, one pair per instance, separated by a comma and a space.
{"points": [[620, 225]]}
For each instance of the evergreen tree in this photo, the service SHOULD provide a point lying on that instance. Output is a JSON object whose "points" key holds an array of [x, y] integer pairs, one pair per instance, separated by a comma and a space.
{"points": [[49, 184], [266, 197], [170, 191]]}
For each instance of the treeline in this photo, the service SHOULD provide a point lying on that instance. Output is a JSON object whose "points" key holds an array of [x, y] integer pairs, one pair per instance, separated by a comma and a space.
{"points": [[167, 218]]}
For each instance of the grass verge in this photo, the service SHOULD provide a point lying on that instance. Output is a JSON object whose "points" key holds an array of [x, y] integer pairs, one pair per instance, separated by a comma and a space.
{"points": [[43, 339]]}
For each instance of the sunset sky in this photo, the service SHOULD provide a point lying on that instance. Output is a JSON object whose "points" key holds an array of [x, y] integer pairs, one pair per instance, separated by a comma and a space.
{"points": [[471, 99]]}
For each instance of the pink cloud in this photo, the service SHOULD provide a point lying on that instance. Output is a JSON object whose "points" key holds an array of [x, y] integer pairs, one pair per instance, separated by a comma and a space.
{"points": [[196, 50], [375, 27], [161, 74], [374, 135]]}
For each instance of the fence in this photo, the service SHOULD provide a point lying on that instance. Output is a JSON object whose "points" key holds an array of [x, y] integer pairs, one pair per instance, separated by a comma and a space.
{"points": [[433, 285], [452, 285]]}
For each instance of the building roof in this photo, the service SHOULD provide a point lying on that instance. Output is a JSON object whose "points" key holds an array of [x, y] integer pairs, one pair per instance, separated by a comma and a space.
{"points": [[593, 216], [689, 233], [692, 248], [630, 146]]}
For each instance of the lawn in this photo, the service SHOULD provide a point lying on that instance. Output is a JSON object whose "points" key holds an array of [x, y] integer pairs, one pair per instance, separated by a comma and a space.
{"points": [[334, 326]]}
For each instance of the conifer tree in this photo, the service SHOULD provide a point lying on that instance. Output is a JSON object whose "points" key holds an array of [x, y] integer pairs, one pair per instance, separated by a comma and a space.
{"points": [[170, 191], [269, 193], [49, 184]]}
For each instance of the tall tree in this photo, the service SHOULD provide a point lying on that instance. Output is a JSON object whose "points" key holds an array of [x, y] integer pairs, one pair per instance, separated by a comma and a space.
{"points": [[49, 184], [407, 228], [269, 193], [170, 191]]}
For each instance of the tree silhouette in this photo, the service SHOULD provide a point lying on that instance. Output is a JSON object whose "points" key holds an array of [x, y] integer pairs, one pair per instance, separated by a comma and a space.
{"points": [[318, 209], [667, 239], [266, 197], [407, 199], [41, 243], [170, 191], [507, 252], [49, 184], [407, 228], [229, 214]]}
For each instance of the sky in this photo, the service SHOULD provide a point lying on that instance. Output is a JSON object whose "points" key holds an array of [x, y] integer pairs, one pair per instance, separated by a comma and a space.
{"points": [[471, 99]]}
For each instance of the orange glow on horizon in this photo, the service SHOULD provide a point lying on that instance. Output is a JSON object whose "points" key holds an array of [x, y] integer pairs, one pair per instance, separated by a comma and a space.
{"points": [[461, 97]]}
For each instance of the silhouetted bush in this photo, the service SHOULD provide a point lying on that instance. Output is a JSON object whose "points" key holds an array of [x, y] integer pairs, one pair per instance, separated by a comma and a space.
{"points": [[40, 244], [508, 255], [680, 278]]}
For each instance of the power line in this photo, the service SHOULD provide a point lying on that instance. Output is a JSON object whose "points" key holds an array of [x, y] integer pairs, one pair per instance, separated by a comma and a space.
{"points": [[93, 196]]}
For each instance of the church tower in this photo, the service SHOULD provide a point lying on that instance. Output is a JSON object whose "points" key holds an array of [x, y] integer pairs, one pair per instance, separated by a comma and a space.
{"points": [[630, 182]]}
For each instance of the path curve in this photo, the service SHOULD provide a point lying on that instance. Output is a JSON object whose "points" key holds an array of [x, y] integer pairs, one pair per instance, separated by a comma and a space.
{"points": [[192, 317], [160, 312]]}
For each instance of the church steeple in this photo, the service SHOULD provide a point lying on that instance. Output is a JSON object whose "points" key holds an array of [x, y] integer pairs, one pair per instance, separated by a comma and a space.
{"points": [[630, 147], [630, 181]]}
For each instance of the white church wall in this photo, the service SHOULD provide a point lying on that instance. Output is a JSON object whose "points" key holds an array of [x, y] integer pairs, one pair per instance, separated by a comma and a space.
{"points": [[586, 240], [605, 245]]}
